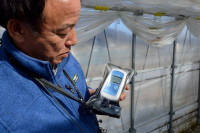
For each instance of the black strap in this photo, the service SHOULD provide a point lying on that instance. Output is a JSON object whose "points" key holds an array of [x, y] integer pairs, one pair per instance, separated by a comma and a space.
{"points": [[43, 85], [58, 89], [75, 87], [50, 85]]}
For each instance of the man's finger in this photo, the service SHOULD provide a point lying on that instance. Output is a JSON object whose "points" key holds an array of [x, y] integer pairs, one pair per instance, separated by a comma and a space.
{"points": [[123, 96], [127, 87], [92, 91]]}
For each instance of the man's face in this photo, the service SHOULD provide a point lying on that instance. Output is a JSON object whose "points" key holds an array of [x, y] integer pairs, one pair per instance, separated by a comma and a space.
{"points": [[58, 35]]}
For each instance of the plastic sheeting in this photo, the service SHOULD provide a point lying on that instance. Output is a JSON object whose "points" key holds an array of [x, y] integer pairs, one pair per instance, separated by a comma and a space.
{"points": [[119, 40], [119, 45], [156, 31], [152, 92], [92, 23], [175, 7], [193, 25]]}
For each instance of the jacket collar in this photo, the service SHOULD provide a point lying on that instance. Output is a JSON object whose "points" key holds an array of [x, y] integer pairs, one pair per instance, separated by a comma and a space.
{"points": [[38, 67]]}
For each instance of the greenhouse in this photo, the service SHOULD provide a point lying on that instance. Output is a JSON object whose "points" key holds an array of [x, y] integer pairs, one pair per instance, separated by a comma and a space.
{"points": [[158, 39]]}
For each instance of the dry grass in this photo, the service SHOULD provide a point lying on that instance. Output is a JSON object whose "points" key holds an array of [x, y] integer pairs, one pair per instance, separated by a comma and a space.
{"points": [[195, 129]]}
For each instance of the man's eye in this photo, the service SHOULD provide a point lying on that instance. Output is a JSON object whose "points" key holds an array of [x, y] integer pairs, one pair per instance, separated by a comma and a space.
{"points": [[62, 35]]}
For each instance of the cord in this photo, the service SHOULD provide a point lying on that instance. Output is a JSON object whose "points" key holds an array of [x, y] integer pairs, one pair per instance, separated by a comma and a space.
{"points": [[59, 104]]}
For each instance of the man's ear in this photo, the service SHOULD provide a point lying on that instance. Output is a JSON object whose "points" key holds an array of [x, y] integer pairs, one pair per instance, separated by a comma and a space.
{"points": [[15, 30]]}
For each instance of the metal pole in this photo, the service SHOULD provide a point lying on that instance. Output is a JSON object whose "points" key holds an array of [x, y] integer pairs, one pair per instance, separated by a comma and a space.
{"points": [[132, 129], [107, 46], [171, 113], [90, 57], [198, 116]]}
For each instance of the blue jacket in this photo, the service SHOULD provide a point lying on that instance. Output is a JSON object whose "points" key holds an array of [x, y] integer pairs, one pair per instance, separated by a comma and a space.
{"points": [[26, 107]]}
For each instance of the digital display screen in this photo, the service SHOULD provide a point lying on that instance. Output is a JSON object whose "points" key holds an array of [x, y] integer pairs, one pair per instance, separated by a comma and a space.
{"points": [[116, 79]]}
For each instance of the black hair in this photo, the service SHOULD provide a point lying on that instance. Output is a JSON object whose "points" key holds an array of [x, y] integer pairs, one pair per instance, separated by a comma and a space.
{"points": [[29, 11]]}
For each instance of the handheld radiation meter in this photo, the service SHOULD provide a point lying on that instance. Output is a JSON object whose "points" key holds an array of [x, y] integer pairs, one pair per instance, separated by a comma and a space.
{"points": [[114, 84]]}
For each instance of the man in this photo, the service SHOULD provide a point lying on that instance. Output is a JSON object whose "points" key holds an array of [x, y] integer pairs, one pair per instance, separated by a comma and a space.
{"points": [[37, 43]]}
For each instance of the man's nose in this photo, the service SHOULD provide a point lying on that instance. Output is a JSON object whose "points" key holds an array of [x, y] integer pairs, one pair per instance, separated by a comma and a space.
{"points": [[72, 38]]}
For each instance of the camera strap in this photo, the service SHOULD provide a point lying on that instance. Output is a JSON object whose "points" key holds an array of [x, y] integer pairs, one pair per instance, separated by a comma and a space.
{"points": [[75, 87]]}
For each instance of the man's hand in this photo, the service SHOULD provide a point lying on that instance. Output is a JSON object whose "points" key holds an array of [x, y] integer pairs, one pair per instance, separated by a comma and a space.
{"points": [[92, 91], [122, 97]]}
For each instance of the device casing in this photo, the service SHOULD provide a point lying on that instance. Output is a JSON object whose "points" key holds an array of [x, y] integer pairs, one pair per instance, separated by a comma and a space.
{"points": [[113, 87]]}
